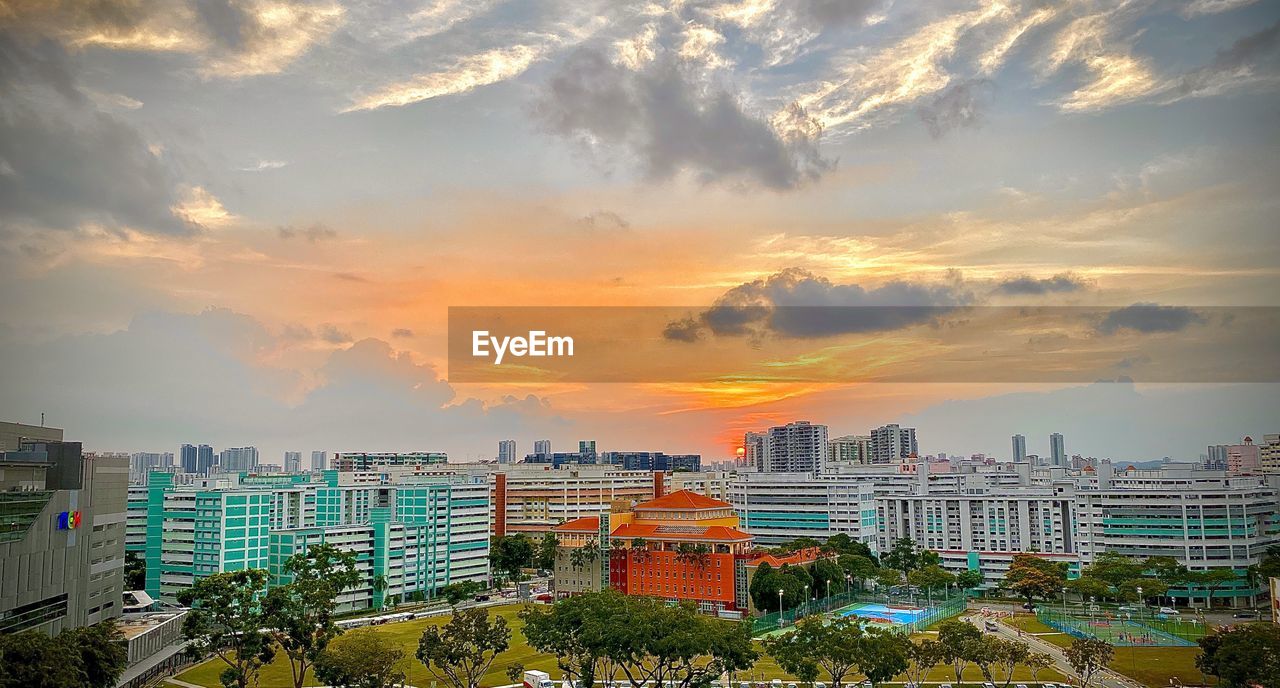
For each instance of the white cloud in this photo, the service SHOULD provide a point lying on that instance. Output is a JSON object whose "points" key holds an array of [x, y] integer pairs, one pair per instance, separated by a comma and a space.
{"points": [[466, 74]]}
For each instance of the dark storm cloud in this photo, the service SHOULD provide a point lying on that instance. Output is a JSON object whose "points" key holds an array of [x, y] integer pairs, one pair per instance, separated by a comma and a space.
{"points": [[798, 304], [1025, 285], [1242, 54], [959, 105], [1148, 318], [313, 233], [63, 163], [672, 125]]}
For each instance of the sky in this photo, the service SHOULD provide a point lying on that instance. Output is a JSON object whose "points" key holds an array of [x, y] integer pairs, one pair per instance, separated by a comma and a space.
{"points": [[244, 222]]}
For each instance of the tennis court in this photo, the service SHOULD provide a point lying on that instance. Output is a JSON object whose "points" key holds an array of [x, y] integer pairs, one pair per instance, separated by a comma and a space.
{"points": [[882, 613]]}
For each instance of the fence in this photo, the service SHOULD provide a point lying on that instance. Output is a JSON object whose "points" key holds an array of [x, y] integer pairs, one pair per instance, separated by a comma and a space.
{"points": [[936, 609], [1138, 628]]}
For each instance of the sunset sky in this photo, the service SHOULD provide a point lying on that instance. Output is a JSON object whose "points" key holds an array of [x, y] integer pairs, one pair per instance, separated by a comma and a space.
{"points": [[243, 222]]}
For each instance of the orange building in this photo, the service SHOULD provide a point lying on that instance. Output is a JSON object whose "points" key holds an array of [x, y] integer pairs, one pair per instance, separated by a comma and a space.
{"points": [[681, 546]]}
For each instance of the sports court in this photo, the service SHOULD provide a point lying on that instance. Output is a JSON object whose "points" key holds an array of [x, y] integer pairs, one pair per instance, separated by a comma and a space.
{"points": [[876, 613]]}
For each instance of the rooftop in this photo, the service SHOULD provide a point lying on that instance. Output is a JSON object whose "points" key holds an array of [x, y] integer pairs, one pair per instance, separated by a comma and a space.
{"points": [[682, 500]]}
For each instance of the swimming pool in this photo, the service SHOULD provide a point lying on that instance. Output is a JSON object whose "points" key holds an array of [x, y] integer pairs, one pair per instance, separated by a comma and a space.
{"points": [[882, 613]]}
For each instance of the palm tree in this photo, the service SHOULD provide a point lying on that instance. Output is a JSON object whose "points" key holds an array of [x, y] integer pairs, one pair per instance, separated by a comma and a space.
{"points": [[379, 586]]}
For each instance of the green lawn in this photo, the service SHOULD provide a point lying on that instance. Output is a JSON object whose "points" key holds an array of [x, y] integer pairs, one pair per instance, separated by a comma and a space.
{"points": [[1028, 623], [406, 634], [1154, 666]]}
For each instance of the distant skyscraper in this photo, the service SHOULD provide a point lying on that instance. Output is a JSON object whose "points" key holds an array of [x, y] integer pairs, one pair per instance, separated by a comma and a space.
{"points": [[189, 459], [1057, 450], [1216, 459], [1244, 458], [319, 460], [753, 450], [1269, 453], [890, 443], [799, 447], [851, 449], [587, 451], [542, 446], [1019, 448], [142, 462], [506, 451], [237, 459], [292, 461], [205, 459]]}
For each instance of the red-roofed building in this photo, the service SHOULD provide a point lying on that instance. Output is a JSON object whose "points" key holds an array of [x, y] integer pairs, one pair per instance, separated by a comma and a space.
{"points": [[679, 546]]}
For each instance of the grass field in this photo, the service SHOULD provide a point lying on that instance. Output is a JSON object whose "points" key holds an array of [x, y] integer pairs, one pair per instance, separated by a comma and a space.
{"points": [[1028, 623], [1154, 666], [406, 634]]}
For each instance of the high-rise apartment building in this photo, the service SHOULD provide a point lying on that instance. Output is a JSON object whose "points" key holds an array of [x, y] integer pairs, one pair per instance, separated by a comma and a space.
{"points": [[542, 446], [891, 443], [1269, 454], [143, 462], [1244, 458], [753, 450], [1057, 450], [799, 447], [417, 533], [532, 499], [62, 536], [850, 449], [365, 461], [506, 451], [319, 460], [292, 461], [1019, 448], [237, 459], [587, 451], [777, 508], [652, 461], [188, 458]]}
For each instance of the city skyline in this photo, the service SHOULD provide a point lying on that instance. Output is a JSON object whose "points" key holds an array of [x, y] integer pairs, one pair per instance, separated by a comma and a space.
{"points": [[271, 211]]}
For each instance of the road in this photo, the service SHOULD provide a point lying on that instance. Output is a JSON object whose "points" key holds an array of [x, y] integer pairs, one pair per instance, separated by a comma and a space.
{"points": [[1105, 678]]}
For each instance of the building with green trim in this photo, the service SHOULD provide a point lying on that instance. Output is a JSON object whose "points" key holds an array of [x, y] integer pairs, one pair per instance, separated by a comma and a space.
{"points": [[411, 535]]}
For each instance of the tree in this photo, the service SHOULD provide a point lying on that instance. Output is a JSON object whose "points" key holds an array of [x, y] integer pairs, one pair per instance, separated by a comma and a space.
{"points": [[362, 659], [825, 573], [883, 655], [954, 637], [888, 577], [31, 659], [1114, 569], [1151, 587], [1037, 662], [460, 652], [135, 571], [904, 556], [584, 556], [969, 579], [1087, 586], [510, 554], [1245, 655], [858, 567], [763, 589], [99, 651], [923, 657], [300, 612], [379, 591], [1088, 656], [931, 577], [1169, 570], [658, 644], [835, 648], [1032, 577], [1213, 580], [800, 543], [456, 593], [985, 652], [1012, 653], [226, 619], [546, 555]]}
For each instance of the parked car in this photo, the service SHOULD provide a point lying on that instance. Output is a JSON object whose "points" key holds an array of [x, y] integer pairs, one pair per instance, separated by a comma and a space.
{"points": [[991, 626], [945, 685], [988, 684], [1127, 608], [1169, 610], [1028, 606], [1020, 685], [1245, 615]]}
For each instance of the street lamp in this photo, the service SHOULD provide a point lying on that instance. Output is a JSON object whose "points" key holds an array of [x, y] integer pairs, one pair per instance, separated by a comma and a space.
{"points": [[828, 604], [1064, 603], [805, 609], [779, 607]]}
